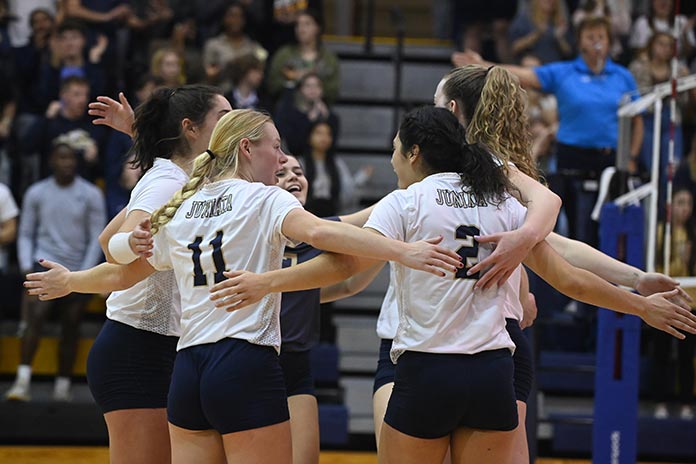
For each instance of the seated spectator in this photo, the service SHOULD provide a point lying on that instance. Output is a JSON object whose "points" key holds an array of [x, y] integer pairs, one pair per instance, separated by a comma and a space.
{"points": [[301, 107], [476, 20], [332, 188], [649, 70], [686, 170], [61, 220], [29, 60], [8, 93], [71, 58], [247, 77], [219, 52], [291, 62], [543, 31], [661, 18], [682, 262], [183, 39], [168, 65], [69, 120]]}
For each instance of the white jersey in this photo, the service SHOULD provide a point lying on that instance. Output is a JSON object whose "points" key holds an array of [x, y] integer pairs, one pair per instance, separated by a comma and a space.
{"points": [[152, 304], [388, 320], [436, 314], [227, 225], [511, 289]]}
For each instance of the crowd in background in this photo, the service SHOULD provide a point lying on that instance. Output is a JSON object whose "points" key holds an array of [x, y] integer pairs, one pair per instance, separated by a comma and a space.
{"points": [[57, 56]]}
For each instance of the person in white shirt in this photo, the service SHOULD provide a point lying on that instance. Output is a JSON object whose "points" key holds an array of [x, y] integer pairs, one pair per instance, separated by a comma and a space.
{"points": [[130, 363], [227, 398]]}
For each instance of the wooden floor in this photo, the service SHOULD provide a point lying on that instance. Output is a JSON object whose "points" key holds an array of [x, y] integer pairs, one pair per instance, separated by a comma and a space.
{"points": [[100, 455]]}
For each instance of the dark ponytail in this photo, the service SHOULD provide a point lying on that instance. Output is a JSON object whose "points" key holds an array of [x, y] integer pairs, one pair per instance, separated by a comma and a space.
{"points": [[157, 125], [443, 148]]}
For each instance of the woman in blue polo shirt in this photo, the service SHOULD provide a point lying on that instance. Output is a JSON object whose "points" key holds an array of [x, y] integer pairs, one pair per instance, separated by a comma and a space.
{"points": [[589, 91]]}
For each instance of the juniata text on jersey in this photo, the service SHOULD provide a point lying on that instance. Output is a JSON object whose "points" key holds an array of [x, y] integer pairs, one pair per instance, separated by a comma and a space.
{"points": [[210, 208], [459, 199]]}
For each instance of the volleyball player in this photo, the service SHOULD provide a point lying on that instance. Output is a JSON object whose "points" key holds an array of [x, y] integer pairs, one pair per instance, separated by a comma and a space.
{"points": [[227, 397], [130, 363]]}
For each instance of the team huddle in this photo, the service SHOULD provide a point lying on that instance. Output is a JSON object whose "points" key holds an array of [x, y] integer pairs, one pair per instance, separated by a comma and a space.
{"points": [[205, 353]]}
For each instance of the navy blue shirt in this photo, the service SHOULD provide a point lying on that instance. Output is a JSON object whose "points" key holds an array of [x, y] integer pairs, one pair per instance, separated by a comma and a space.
{"points": [[299, 311], [587, 102]]}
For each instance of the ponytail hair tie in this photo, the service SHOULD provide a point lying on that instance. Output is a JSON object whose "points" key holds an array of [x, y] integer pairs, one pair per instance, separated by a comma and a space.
{"points": [[211, 154], [489, 69]]}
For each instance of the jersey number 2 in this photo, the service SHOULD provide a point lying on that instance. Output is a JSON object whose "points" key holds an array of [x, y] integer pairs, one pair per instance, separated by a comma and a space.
{"points": [[468, 251], [199, 277]]}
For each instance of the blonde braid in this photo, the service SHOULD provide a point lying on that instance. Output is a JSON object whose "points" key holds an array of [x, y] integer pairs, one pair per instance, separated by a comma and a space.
{"points": [[201, 168]]}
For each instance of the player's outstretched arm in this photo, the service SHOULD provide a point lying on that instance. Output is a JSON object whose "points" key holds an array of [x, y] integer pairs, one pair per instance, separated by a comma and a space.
{"points": [[582, 255], [424, 255], [242, 288], [58, 281], [656, 310]]}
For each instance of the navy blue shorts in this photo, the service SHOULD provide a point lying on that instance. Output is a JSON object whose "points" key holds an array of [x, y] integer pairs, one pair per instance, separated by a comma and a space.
{"points": [[385, 366], [523, 360], [297, 371], [129, 368], [228, 386], [434, 394]]}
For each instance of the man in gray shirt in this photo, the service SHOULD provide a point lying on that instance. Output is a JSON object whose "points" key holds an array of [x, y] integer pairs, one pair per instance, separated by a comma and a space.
{"points": [[62, 217]]}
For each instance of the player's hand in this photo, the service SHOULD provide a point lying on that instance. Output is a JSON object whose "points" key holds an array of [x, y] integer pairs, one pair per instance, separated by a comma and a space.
{"points": [[530, 311], [50, 284], [511, 249], [240, 289], [116, 114], [669, 317], [140, 240], [426, 255], [467, 57], [654, 282]]}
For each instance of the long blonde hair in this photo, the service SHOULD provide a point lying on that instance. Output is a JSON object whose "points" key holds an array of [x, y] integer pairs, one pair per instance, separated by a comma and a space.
{"points": [[221, 159], [494, 106]]}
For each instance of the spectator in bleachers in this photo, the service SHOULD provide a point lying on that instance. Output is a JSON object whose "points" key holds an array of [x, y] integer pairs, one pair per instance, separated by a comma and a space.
{"points": [[542, 30], [168, 65], [649, 70], [279, 27], [292, 62], [8, 225], [661, 18], [682, 262], [221, 51], [247, 78], [300, 108], [183, 39], [332, 187], [150, 20], [20, 29], [70, 57], [61, 219], [589, 91], [619, 13], [69, 120], [475, 19], [29, 60]]}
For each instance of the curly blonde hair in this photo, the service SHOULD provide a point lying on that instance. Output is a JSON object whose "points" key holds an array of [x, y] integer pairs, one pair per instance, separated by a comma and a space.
{"points": [[494, 107], [221, 159]]}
